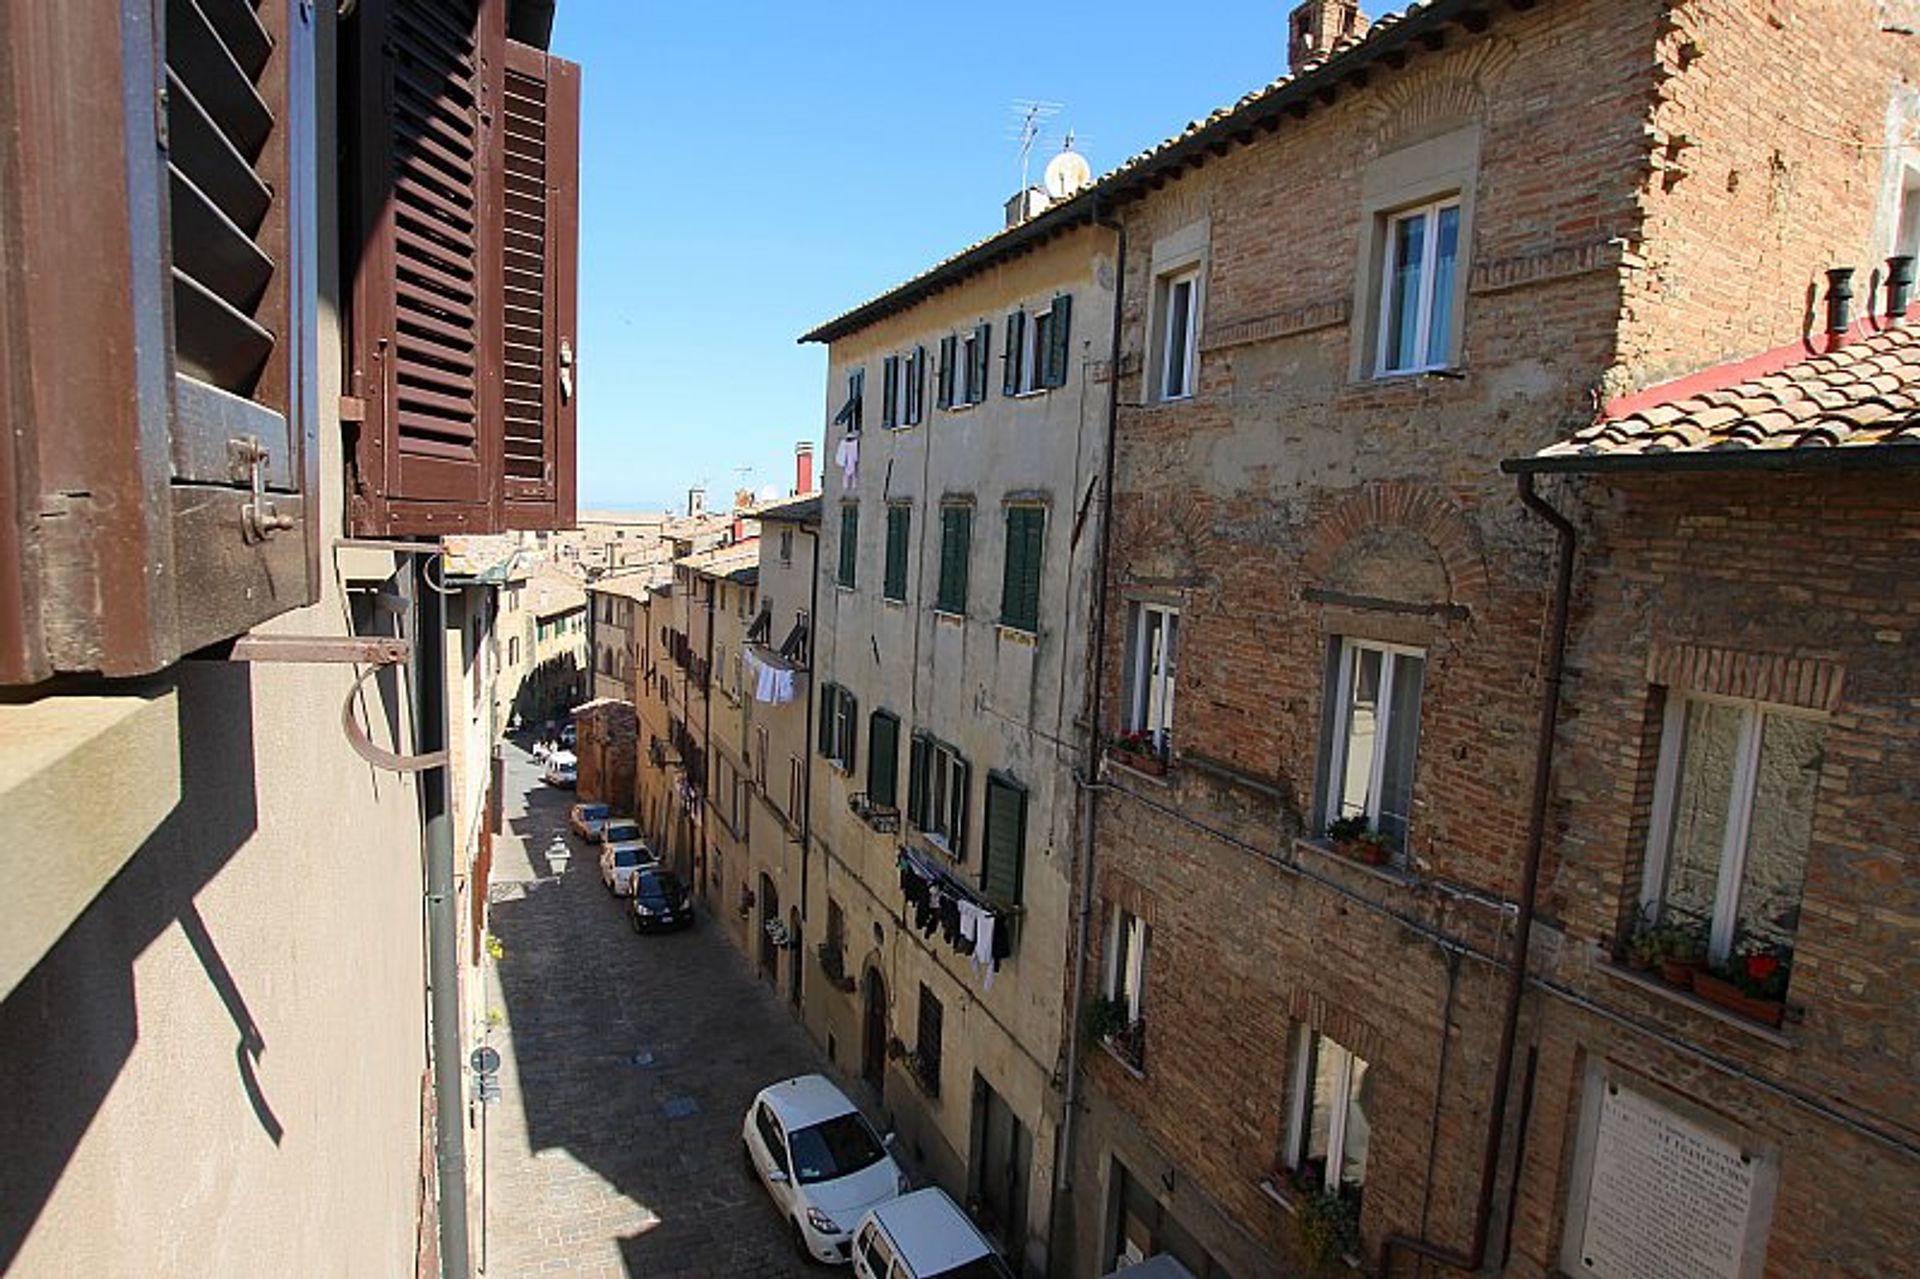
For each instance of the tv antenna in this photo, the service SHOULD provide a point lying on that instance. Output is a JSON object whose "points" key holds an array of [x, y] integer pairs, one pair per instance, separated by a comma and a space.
{"points": [[1030, 121]]}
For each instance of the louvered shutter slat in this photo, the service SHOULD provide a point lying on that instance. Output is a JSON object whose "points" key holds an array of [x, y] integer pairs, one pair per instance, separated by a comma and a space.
{"points": [[982, 354], [917, 782], [944, 379], [1006, 840]]}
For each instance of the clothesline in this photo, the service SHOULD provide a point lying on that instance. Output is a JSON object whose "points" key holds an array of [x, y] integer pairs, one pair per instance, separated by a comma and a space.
{"points": [[943, 904], [772, 684]]}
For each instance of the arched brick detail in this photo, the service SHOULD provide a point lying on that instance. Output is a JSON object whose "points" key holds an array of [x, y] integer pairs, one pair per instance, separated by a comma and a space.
{"points": [[1425, 511]]}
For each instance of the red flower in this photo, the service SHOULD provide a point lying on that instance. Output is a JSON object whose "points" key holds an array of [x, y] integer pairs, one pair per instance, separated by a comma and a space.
{"points": [[1761, 967]]}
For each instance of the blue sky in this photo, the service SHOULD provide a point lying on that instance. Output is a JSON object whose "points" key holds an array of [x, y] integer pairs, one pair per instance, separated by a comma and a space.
{"points": [[750, 169]]}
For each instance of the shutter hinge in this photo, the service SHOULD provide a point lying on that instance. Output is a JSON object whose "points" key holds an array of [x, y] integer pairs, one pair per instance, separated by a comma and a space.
{"points": [[566, 370]]}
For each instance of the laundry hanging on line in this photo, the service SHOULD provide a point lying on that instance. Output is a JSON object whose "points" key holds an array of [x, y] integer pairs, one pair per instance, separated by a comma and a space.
{"points": [[941, 905]]}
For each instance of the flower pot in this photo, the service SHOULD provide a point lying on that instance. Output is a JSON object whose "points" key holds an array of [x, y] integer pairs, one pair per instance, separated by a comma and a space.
{"points": [[1718, 990], [1364, 851], [1679, 972], [1151, 765]]}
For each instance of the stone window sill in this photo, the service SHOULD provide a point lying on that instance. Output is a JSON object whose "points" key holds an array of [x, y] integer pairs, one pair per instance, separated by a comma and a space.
{"points": [[1014, 635], [1125, 1065], [1399, 876], [1694, 1003], [1163, 779]]}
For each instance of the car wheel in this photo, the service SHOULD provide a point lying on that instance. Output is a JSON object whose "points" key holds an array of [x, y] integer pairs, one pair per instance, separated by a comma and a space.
{"points": [[800, 1244]]}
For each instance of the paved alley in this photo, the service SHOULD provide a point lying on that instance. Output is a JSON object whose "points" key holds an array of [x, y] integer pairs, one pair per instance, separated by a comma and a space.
{"points": [[627, 1063]]}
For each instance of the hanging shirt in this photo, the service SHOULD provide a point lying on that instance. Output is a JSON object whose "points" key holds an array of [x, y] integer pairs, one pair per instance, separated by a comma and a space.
{"points": [[983, 931], [848, 458]]}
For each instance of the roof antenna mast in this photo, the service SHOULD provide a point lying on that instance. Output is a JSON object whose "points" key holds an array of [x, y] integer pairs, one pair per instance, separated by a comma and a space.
{"points": [[1030, 121]]}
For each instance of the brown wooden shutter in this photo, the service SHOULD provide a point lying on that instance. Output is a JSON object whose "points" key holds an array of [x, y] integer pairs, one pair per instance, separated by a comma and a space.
{"points": [[537, 198], [425, 456], [156, 330]]}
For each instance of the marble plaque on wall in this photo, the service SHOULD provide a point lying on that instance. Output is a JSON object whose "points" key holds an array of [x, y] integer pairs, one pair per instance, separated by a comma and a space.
{"points": [[1666, 1199]]}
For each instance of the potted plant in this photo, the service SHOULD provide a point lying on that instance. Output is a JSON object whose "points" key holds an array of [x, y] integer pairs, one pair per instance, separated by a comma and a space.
{"points": [[1642, 951], [1329, 1225], [1106, 1017], [1138, 750], [1752, 983], [1344, 834], [1682, 954], [1373, 848]]}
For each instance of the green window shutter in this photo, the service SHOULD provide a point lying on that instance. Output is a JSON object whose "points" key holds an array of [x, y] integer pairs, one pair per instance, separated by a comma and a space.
{"points": [[850, 749], [917, 782], [961, 824], [1020, 583], [1006, 841], [1059, 341], [943, 393], [883, 759], [899, 523], [977, 377], [890, 396], [857, 392], [1016, 330], [956, 536], [829, 698], [849, 543], [917, 389]]}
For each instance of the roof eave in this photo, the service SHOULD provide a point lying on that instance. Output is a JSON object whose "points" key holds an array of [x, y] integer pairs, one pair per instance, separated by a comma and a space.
{"points": [[1794, 459]]}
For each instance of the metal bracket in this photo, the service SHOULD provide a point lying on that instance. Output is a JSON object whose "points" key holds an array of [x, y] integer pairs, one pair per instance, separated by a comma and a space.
{"points": [[377, 650], [379, 756]]}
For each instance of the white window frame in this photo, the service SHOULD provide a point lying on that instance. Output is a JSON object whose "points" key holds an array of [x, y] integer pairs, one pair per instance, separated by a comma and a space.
{"points": [[1161, 675], [1189, 349], [1906, 213], [1428, 213], [1342, 1060], [1337, 739], [946, 793], [1128, 940], [1733, 847], [844, 727], [1034, 354]]}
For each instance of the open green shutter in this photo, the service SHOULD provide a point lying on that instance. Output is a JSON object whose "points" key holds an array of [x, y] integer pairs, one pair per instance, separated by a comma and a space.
{"points": [[899, 523], [956, 524], [849, 543], [962, 822], [1016, 330], [1006, 841], [890, 396], [857, 392], [944, 380], [883, 759], [1059, 339], [851, 747], [828, 700], [917, 782], [977, 377]]}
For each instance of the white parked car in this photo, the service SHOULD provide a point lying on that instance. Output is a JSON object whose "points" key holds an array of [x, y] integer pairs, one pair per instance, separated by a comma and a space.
{"points": [[820, 1160], [562, 769], [622, 852], [923, 1235]]}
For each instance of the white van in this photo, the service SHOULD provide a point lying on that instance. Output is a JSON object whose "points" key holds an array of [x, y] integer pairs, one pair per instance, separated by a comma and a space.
{"points": [[923, 1235]]}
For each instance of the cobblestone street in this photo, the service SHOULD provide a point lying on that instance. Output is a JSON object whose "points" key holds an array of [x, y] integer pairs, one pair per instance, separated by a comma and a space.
{"points": [[627, 1063]]}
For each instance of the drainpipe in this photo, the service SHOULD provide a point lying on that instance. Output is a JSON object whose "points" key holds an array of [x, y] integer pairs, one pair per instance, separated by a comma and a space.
{"points": [[806, 729], [1476, 1252], [1063, 1163], [443, 934]]}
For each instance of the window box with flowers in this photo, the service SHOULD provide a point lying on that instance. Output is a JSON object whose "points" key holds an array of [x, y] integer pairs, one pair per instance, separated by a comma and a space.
{"points": [[1752, 983], [1140, 752], [1352, 839]]}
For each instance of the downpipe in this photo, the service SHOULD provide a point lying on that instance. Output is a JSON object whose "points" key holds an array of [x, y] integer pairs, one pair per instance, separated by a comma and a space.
{"points": [[1476, 1252]]}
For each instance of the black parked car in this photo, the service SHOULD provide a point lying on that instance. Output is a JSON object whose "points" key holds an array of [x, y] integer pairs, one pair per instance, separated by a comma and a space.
{"points": [[660, 900]]}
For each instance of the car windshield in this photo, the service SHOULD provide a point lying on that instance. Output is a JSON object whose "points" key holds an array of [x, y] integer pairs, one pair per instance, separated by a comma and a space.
{"points": [[628, 856], [987, 1267], [593, 813], [621, 832], [662, 886], [837, 1148]]}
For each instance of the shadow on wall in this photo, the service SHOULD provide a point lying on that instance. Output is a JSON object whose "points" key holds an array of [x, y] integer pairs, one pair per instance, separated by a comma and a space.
{"points": [[68, 1030]]}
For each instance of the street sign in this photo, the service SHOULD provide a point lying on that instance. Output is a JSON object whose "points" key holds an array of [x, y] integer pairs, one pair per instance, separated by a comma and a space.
{"points": [[485, 1060]]}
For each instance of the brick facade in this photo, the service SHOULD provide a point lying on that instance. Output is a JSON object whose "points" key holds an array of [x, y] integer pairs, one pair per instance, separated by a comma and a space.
{"points": [[1627, 219]]}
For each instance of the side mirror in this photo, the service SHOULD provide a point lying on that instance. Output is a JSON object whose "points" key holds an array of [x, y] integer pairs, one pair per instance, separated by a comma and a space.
{"points": [[777, 1177], [889, 1140]]}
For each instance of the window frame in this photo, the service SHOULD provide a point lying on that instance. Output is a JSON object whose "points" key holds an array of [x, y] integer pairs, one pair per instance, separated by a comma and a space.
{"points": [[899, 552], [1129, 938], [1300, 1106], [954, 515], [1189, 349], [1428, 214], [1731, 872], [1337, 739], [1142, 683], [948, 781]]}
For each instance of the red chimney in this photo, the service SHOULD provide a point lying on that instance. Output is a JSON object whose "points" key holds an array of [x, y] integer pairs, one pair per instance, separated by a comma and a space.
{"points": [[803, 468]]}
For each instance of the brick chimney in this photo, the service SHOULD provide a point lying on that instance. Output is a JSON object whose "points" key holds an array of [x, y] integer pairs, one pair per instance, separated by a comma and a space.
{"points": [[1316, 26], [803, 468]]}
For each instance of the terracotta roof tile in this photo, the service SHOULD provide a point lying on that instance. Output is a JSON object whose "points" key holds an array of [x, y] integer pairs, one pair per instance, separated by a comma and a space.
{"points": [[1864, 395]]}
